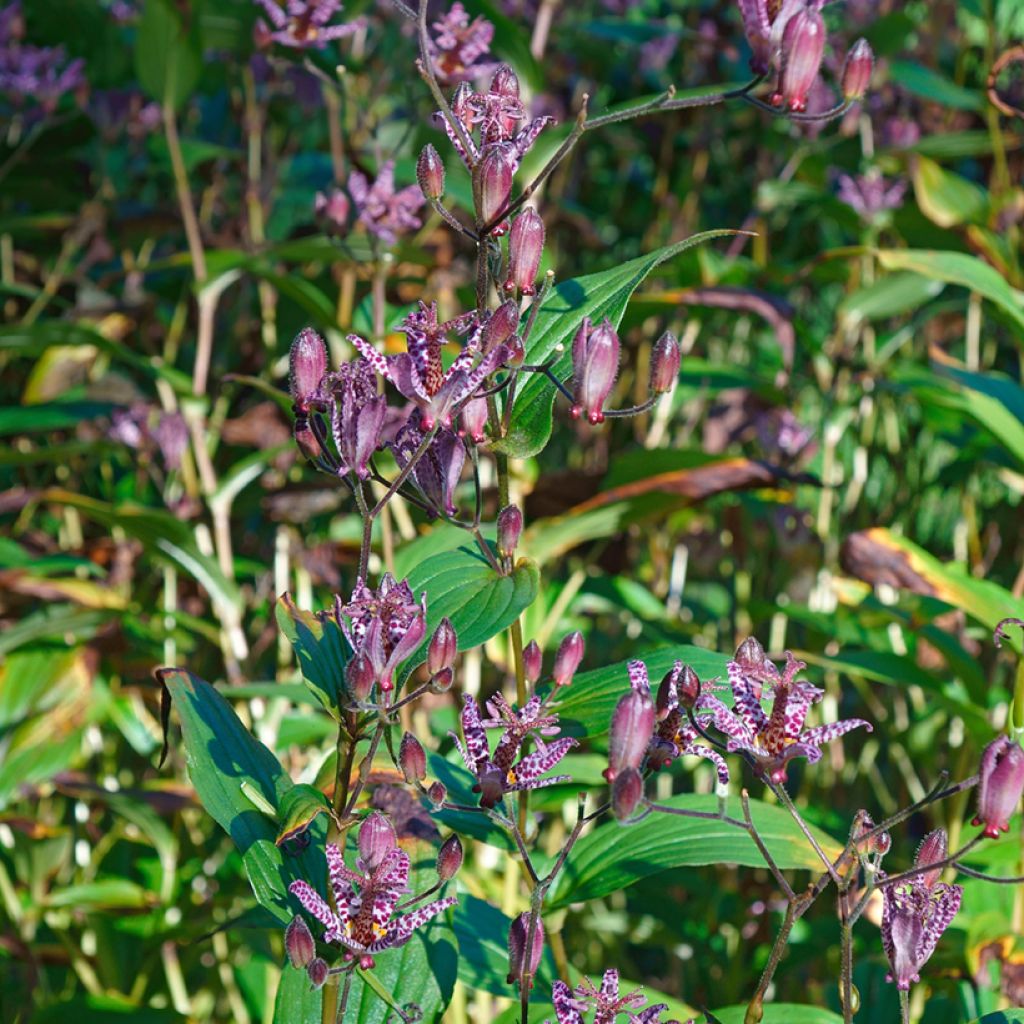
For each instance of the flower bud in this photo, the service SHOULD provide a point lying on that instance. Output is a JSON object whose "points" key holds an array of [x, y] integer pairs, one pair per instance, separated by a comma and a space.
{"points": [[437, 794], [934, 848], [500, 326], [412, 759], [857, 70], [298, 943], [864, 824], [631, 730], [441, 682], [473, 419], [595, 363], [525, 245], [1000, 785], [366, 962], [568, 658], [360, 676], [333, 208], [750, 654], [377, 839], [533, 661], [627, 791], [306, 439], [803, 45], [430, 173], [505, 83], [317, 972], [307, 362], [442, 648], [492, 184], [688, 687], [522, 961], [665, 358], [449, 858], [510, 528], [662, 752]]}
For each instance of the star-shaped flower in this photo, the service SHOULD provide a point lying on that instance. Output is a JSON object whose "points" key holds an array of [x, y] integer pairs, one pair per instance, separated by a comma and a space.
{"points": [[914, 916], [303, 24]]}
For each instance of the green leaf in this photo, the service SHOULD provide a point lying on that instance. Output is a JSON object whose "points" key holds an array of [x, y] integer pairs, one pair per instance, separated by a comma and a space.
{"points": [[298, 809], [615, 856], [936, 88], [958, 268], [104, 894], [605, 294], [168, 53], [947, 198], [781, 1013], [223, 760], [321, 650], [104, 1010], [893, 295], [1001, 1017], [297, 1001], [462, 585]]}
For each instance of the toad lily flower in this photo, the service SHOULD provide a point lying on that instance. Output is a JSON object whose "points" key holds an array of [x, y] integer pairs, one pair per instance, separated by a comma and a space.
{"points": [[419, 374], [606, 1002], [436, 473], [366, 899], [499, 773], [303, 24], [772, 739]]}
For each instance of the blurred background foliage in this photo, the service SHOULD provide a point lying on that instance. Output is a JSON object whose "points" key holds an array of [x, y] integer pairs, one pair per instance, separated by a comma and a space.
{"points": [[839, 471]]}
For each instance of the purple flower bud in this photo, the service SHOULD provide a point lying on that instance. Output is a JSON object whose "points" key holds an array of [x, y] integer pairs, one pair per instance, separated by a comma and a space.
{"points": [[308, 363], [665, 359], [1000, 785], [505, 83], [366, 962], [501, 325], [522, 961], [856, 77], [437, 793], [360, 676], [803, 45], [377, 839], [510, 528], [333, 208], [631, 730], [442, 648], [661, 753], [525, 245], [863, 825], [568, 658], [627, 791], [306, 439], [934, 848], [317, 972], [595, 362], [298, 943], [449, 858], [492, 184], [412, 759], [750, 654], [533, 661], [430, 173], [441, 682], [473, 419]]}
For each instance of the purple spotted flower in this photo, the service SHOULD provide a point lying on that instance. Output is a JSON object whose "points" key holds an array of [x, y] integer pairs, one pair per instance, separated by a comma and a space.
{"points": [[419, 373], [36, 74], [915, 913], [499, 773], [871, 195], [384, 212], [302, 24], [772, 738], [606, 1002], [436, 473], [385, 625], [365, 920], [357, 415], [459, 46]]}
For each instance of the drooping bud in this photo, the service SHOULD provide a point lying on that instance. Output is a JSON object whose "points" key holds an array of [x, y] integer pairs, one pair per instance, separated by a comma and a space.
{"points": [[441, 682], [525, 246], [631, 729], [442, 648], [510, 528], [298, 943], [533, 661], [665, 359], [1000, 786], [934, 848], [473, 419], [803, 46], [524, 955], [856, 77], [688, 687], [500, 326], [317, 972], [308, 363], [377, 839], [627, 791], [437, 793], [492, 184], [568, 658], [412, 759], [449, 858], [360, 676], [595, 363], [430, 173]]}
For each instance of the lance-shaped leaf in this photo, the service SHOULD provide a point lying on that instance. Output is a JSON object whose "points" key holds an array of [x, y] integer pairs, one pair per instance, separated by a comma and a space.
{"points": [[298, 809], [320, 648]]}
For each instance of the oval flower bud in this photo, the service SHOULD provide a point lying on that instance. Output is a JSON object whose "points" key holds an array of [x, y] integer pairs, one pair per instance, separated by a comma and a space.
{"points": [[631, 729], [500, 326], [430, 173], [437, 793], [298, 943], [856, 77], [525, 246], [934, 848], [595, 364], [473, 419], [568, 658], [441, 682], [307, 362], [360, 676], [449, 858], [412, 759], [522, 961], [533, 661], [377, 839], [1000, 786], [803, 46], [492, 184], [665, 359], [317, 972], [627, 791], [442, 648], [510, 528]]}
